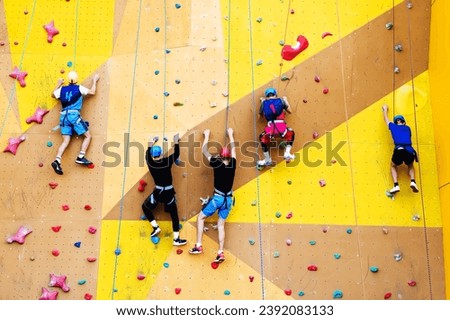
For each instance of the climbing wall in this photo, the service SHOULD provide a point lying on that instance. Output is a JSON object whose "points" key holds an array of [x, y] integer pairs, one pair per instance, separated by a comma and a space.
{"points": [[320, 227]]}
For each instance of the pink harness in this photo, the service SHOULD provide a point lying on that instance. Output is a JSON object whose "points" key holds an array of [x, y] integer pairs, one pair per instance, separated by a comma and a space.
{"points": [[276, 128]]}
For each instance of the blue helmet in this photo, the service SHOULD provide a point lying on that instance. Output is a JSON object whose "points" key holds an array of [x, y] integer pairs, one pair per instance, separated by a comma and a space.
{"points": [[155, 151], [399, 117], [270, 91]]}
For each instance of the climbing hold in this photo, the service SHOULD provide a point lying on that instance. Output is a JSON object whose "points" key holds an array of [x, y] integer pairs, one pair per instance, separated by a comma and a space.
{"points": [[385, 230], [396, 70], [312, 242], [301, 293], [19, 236], [142, 185], [55, 252], [214, 265], [287, 292], [88, 296], [337, 256], [315, 135], [259, 62], [51, 31], [251, 241], [53, 184], [157, 29], [202, 48], [156, 72], [155, 239], [398, 256], [177, 81], [312, 268], [251, 278], [290, 52], [40, 164], [166, 94], [117, 252], [292, 11], [254, 203], [92, 230], [59, 281], [179, 251], [389, 25], [289, 215], [81, 282], [387, 295], [64, 44], [276, 254], [87, 207], [288, 242], [398, 48], [416, 217], [178, 104], [349, 231], [227, 292], [19, 76], [177, 290], [166, 264], [373, 269], [289, 182], [278, 214], [77, 244], [91, 259], [305, 100], [322, 183], [140, 276], [49, 144], [409, 5], [412, 283], [337, 294], [155, 116], [285, 78], [177, 5], [389, 195], [259, 20], [65, 207], [325, 90], [13, 144], [167, 51], [56, 228], [48, 295], [326, 34], [38, 116]]}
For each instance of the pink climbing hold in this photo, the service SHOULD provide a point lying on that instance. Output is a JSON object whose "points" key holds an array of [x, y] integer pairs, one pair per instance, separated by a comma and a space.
{"points": [[289, 215], [92, 230], [19, 76], [20, 235], [290, 52], [322, 183], [13, 144], [412, 283], [315, 135], [38, 116], [140, 276], [65, 207], [59, 282], [317, 79], [51, 31], [251, 278], [91, 259], [48, 295]]}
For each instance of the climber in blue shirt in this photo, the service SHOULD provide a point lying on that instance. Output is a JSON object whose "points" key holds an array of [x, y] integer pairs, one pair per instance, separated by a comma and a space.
{"points": [[403, 150]]}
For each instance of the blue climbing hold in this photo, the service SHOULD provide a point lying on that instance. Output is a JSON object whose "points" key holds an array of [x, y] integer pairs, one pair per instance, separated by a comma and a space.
{"points": [[227, 292], [167, 51], [155, 116], [157, 29], [81, 282], [349, 231], [337, 294], [156, 72], [117, 252], [312, 242], [77, 244], [49, 144], [337, 256], [143, 217], [69, 63], [166, 264], [166, 94], [373, 269], [178, 6], [301, 293], [155, 239]]}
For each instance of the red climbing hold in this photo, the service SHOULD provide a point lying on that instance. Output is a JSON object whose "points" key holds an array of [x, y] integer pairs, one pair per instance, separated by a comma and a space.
{"points": [[312, 268], [51, 31], [179, 251], [214, 265], [326, 34], [55, 252], [91, 259], [325, 90], [88, 296], [87, 207], [387, 295], [412, 283], [53, 184], [65, 207], [20, 235], [177, 290], [19, 76], [289, 215], [251, 278], [288, 292], [91, 166], [38, 116], [290, 52], [13, 144], [316, 79], [140, 276], [56, 228], [142, 185], [92, 230]]}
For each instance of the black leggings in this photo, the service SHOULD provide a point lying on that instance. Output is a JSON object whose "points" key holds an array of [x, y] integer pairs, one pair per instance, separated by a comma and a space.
{"points": [[170, 205]]}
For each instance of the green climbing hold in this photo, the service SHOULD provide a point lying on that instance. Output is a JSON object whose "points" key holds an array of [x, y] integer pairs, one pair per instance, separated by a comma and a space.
{"points": [[276, 254], [278, 214], [251, 241], [49, 144], [227, 292]]}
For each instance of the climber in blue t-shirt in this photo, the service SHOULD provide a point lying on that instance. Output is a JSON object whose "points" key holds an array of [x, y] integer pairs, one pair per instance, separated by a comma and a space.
{"points": [[403, 150], [70, 121]]}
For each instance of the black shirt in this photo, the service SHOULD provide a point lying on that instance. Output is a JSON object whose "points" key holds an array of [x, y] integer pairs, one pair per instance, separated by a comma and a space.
{"points": [[160, 169], [223, 174]]}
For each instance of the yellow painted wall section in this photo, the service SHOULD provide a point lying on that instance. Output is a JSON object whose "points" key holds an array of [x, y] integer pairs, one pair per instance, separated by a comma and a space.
{"points": [[439, 69]]}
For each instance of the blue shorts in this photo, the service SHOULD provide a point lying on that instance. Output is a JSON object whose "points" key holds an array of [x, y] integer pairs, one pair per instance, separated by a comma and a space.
{"points": [[221, 203], [71, 122]]}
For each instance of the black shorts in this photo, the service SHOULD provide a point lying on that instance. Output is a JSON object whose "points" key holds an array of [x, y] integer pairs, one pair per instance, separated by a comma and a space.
{"points": [[402, 156]]}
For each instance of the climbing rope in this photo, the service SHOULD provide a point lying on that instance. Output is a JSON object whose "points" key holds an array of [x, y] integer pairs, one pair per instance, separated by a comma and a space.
{"points": [[394, 62], [165, 72], [126, 150], [425, 229], [288, 14], [228, 68], [13, 90]]}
